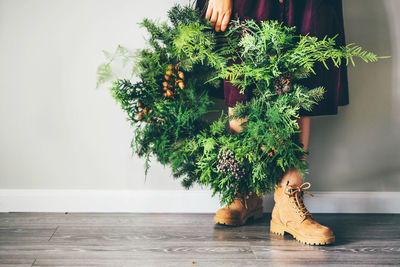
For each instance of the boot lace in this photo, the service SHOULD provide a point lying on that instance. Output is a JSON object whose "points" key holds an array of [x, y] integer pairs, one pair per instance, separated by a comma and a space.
{"points": [[297, 193]]}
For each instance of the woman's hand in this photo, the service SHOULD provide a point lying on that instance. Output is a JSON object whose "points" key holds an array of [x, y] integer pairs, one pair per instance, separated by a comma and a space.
{"points": [[219, 13]]}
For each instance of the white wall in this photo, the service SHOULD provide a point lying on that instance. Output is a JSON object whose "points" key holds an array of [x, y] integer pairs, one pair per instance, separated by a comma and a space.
{"points": [[59, 132]]}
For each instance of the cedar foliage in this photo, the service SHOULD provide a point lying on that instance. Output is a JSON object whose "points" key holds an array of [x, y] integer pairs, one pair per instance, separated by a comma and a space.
{"points": [[174, 129]]}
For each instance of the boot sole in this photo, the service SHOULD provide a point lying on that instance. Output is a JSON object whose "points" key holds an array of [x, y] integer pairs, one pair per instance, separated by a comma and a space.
{"points": [[280, 229], [256, 214]]}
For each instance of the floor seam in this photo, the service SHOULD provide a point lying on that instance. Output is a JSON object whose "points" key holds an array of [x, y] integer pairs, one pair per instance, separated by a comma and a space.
{"points": [[252, 251], [53, 233]]}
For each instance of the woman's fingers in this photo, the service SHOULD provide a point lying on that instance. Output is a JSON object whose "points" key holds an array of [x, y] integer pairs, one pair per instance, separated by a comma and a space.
{"points": [[225, 21], [218, 25], [219, 22], [219, 13], [209, 12], [214, 18]]}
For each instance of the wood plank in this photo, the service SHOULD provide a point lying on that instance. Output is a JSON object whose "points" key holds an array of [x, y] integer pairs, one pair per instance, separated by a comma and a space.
{"points": [[16, 262], [138, 250], [107, 234], [102, 219], [150, 262], [26, 234]]}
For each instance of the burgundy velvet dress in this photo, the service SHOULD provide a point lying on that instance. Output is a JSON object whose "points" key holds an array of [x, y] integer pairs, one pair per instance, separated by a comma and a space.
{"points": [[314, 17]]}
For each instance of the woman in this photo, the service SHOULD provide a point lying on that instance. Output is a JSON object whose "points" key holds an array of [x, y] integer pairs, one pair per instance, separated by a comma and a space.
{"points": [[316, 18]]}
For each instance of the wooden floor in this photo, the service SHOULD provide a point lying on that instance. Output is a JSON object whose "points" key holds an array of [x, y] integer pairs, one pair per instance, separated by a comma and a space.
{"points": [[131, 239]]}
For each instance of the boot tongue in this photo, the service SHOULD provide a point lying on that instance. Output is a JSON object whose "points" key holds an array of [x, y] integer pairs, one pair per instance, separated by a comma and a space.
{"points": [[297, 193]]}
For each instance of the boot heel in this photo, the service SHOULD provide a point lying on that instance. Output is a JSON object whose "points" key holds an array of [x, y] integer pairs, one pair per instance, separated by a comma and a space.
{"points": [[276, 228]]}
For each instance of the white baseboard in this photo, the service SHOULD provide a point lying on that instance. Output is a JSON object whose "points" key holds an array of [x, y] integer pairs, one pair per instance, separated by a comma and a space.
{"points": [[181, 201]]}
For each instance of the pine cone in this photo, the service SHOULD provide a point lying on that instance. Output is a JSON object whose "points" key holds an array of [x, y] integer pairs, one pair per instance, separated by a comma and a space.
{"points": [[226, 163], [283, 84]]}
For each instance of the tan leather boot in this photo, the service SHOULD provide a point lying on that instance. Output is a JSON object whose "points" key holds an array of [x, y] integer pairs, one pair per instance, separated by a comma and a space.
{"points": [[291, 216], [241, 209]]}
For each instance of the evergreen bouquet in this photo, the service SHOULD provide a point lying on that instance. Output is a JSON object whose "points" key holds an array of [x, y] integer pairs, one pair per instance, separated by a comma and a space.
{"points": [[184, 60]]}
